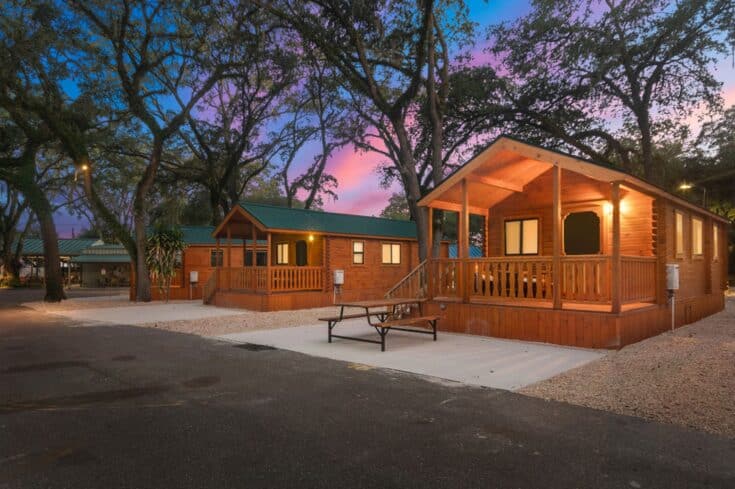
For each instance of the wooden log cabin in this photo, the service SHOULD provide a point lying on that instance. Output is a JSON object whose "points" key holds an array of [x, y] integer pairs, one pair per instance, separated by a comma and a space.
{"points": [[573, 252], [302, 250]]}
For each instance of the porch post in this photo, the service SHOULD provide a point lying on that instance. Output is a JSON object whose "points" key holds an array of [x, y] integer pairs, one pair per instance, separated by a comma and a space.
{"points": [[217, 273], [464, 232], [616, 275], [229, 258], [253, 255], [430, 255], [268, 263], [556, 272]]}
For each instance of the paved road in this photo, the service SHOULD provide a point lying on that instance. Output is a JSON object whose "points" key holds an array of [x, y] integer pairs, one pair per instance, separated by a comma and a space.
{"points": [[119, 406]]}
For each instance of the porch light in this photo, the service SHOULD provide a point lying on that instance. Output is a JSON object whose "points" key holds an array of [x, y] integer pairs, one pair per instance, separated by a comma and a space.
{"points": [[607, 207], [311, 237], [686, 186], [85, 167]]}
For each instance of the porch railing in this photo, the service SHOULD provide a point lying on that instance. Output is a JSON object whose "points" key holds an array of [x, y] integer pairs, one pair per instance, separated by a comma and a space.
{"points": [[510, 278], [296, 278], [413, 285], [584, 278], [638, 279]]}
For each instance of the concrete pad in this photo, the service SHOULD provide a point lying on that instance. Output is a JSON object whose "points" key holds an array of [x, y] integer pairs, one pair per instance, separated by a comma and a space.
{"points": [[474, 360], [150, 313]]}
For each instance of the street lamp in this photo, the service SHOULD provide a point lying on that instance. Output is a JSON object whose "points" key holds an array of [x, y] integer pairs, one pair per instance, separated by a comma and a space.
{"points": [[688, 186]]}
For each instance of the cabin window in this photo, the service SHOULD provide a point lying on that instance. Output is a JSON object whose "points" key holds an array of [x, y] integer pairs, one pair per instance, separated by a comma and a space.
{"points": [[301, 254], [715, 242], [261, 258], [282, 254], [697, 237], [679, 230], [582, 233], [358, 252], [391, 253], [216, 258], [521, 237]]}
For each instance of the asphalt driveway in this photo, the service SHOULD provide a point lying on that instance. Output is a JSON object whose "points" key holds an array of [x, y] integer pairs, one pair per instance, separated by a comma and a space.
{"points": [[138, 407]]}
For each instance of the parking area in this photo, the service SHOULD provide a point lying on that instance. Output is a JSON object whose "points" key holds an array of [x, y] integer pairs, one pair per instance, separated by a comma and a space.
{"points": [[473, 360]]}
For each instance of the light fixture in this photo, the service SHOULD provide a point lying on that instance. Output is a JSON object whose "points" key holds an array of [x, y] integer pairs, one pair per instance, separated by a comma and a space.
{"points": [[85, 167], [311, 237], [607, 207], [685, 186]]}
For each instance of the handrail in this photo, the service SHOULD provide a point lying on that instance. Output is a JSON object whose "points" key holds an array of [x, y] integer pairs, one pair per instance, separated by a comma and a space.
{"points": [[414, 284]]}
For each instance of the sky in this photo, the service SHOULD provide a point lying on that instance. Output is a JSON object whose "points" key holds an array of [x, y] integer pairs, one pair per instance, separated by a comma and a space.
{"points": [[359, 190]]}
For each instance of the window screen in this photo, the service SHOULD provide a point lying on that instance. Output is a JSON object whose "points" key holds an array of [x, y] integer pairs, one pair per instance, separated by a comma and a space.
{"points": [[391, 253], [358, 252], [216, 258], [582, 233], [679, 233], [282, 254]]}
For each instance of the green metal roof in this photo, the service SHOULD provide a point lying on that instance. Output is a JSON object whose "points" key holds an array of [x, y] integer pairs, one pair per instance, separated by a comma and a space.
{"points": [[202, 235], [103, 253], [285, 218], [67, 247]]}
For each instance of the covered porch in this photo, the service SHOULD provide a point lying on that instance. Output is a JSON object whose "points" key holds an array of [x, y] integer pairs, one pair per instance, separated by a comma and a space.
{"points": [[274, 261], [554, 232]]}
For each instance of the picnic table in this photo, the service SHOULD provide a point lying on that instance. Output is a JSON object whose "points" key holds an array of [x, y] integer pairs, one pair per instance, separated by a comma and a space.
{"points": [[386, 317]]}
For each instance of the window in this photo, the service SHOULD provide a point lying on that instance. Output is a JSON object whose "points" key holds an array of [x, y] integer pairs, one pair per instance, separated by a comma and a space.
{"points": [[216, 258], [358, 252], [582, 233], [697, 239], [679, 228], [521, 237], [282, 254], [715, 242], [261, 258], [391, 253]]}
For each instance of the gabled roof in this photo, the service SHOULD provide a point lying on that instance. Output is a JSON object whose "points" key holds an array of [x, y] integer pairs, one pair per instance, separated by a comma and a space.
{"points": [[103, 253], [67, 247], [507, 164], [287, 219]]}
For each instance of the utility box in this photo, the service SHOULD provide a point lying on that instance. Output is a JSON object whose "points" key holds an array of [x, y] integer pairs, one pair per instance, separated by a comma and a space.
{"points": [[672, 276], [193, 277], [339, 277]]}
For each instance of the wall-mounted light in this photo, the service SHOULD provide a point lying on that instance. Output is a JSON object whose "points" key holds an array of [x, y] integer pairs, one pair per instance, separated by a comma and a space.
{"points": [[311, 238], [607, 208]]}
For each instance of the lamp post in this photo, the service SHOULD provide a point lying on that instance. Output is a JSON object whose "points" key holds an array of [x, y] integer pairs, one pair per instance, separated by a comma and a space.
{"points": [[688, 186]]}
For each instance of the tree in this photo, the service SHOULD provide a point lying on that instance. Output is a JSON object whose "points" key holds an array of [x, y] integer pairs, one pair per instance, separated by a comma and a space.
{"points": [[576, 69], [397, 208], [153, 64], [13, 210], [386, 54], [163, 249]]}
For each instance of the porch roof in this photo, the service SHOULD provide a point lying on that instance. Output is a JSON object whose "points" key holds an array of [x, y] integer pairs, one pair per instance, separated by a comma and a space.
{"points": [[283, 219], [507, 165]]}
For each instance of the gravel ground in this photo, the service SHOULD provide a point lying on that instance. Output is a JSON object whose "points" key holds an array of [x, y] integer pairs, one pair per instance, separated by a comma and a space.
{"points": [[247, 321], [686, 377]]}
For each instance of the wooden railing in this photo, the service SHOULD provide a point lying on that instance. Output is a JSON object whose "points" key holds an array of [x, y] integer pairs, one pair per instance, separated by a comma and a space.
{"points": [[638, 278], [516, 278], [296, 278], [586, 278], [210, 287], [413, 285], [445, 278], [282, 279]]}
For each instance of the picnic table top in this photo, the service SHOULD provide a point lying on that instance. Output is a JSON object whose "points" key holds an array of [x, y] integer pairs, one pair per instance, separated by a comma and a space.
{"points": [[380, 302]]}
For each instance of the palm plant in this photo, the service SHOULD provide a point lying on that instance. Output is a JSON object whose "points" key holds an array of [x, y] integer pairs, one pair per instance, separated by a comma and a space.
{"points": [[163, 249]]}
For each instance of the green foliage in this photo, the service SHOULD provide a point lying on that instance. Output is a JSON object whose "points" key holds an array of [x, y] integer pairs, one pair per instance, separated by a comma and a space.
{"points": [[397, 208], [163, 252]]}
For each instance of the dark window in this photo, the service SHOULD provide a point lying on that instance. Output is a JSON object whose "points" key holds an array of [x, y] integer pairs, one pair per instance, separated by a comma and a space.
{"points": [[261, 258], [301, 253], [582, 233], [216, 258]]}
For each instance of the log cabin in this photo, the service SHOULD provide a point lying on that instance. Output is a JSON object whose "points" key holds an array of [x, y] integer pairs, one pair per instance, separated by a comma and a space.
{"points": [[573, 252], [303, 250]]}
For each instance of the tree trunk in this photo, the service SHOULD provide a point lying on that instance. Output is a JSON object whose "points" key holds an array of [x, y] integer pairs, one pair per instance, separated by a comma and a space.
{"points": [[41, 207]]}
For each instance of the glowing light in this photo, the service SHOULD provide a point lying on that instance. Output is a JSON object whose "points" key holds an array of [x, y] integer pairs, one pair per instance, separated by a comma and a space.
{"points": [[311, 237], [85, 167], [607, 207], [685, 186], [624, 206]]}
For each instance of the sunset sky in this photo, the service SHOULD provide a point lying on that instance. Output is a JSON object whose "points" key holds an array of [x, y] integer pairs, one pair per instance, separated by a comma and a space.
{"points": [[359, 191]]}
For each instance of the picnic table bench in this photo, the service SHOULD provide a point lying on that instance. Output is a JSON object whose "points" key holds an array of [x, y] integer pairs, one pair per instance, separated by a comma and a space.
{"points": [[387, 319]]}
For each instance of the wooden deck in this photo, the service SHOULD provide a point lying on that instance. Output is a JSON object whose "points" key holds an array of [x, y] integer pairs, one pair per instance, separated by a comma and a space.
{"points": [[534, 304]]}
